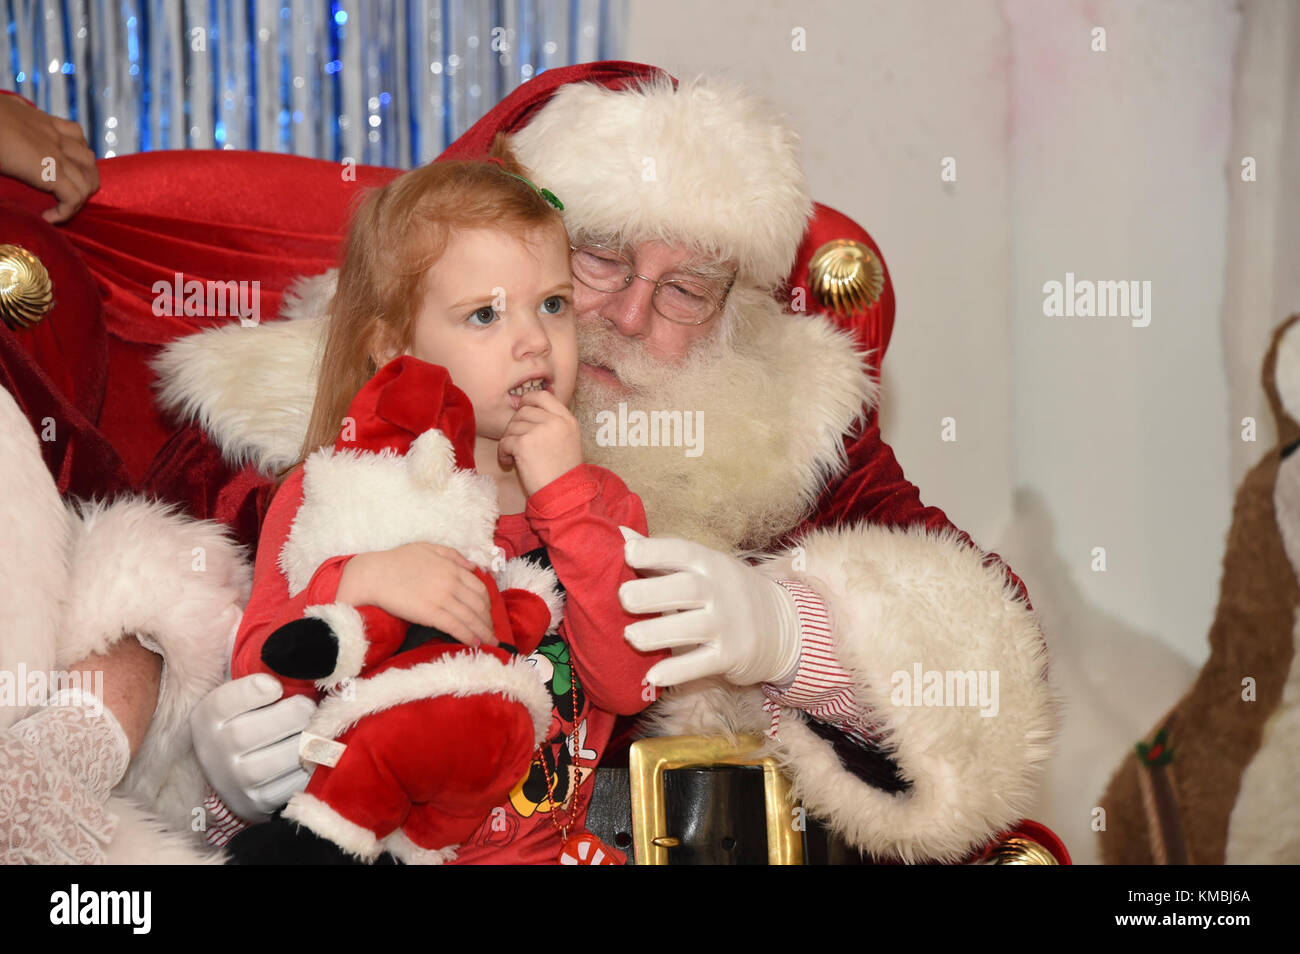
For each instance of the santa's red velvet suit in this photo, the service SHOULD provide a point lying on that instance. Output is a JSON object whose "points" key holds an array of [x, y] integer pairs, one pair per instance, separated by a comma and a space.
{"points": [[891, 581]]}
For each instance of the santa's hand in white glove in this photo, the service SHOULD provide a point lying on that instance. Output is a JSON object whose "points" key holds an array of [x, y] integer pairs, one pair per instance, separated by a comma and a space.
{"points": [[730, 620], [246, 739]]}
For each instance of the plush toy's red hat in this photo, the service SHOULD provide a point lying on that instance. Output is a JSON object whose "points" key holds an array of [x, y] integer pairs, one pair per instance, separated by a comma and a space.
{"points": [[406, 398]]}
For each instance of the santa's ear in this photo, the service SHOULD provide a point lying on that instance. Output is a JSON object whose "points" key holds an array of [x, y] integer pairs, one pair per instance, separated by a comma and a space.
{"points": [[432, 459]]}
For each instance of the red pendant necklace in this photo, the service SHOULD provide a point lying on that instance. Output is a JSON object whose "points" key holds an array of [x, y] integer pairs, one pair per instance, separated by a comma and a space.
{"points": [[582, 847]]}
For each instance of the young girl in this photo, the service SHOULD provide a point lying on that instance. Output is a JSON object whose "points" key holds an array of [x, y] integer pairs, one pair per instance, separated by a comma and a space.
{"points": [[466, 265]]}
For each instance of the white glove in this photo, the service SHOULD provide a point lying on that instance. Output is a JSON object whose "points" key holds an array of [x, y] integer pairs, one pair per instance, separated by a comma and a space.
{"points": [[57, 768], [247, 743], [744, 625]]}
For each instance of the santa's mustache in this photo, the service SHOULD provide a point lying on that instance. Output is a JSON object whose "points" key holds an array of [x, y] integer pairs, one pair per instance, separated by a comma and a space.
{"points": [[634, 366]]}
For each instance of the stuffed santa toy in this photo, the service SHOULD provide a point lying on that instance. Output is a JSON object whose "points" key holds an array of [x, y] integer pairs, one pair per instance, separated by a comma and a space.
{"points": [[419, 736]]}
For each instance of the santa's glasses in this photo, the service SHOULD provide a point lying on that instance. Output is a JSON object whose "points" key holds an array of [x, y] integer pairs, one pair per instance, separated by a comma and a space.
{"points": [[681, 300]]}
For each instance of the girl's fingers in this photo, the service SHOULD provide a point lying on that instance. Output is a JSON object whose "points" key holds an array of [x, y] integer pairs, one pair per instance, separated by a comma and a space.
{"points": [[452, 625], [543, 400], [453, 555], [506, 449], [475, 592], [471, 623], [534, 415]]}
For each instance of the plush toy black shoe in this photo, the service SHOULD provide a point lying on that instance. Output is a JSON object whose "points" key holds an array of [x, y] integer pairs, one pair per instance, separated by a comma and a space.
{"points": [[303, 649], [284, 842]]}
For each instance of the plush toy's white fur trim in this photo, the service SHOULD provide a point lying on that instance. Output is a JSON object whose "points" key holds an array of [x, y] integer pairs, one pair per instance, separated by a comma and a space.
{"points": [[461, 674], [897, 598], [36, 528], [707, 163], [252, 388], [350, 631], [357, 502], [408, 852], [140, 568], [310, 812], [526, 575]]}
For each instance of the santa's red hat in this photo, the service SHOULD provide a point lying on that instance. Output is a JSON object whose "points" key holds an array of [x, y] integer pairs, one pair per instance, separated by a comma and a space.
{"points": [[701, 161], [406, 398]]}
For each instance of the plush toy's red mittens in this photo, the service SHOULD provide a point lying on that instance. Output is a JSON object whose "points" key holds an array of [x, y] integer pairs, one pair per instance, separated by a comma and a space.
{"points": [[529, 617]]}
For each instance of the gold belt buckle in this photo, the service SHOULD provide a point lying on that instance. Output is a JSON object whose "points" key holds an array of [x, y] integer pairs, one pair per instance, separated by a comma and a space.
{"points": [[648, 759]]}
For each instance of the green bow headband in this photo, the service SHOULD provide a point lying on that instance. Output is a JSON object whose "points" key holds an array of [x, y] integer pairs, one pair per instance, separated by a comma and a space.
{"points": [[546, 194]]}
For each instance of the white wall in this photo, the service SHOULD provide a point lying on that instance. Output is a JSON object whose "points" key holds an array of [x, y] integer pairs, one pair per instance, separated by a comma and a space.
{"points": [[1109, 165]]}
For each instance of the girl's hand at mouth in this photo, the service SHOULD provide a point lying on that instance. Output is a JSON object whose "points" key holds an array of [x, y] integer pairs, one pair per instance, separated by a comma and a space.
{"points": [[542, 441]]}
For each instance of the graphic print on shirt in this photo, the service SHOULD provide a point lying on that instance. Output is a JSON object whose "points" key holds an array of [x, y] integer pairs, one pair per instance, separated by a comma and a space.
{"points": [[530, 796]]}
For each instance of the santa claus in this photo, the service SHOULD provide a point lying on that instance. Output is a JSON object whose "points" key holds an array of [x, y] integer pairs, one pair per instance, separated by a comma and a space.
{"points": [[695, 188]]}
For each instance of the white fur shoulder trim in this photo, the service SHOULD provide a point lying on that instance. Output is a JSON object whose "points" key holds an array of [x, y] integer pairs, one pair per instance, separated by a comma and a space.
{"points": [[252, 388]]}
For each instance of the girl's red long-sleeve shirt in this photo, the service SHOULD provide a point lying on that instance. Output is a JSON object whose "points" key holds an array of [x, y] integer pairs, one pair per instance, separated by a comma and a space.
{"points": [[576, 517]]}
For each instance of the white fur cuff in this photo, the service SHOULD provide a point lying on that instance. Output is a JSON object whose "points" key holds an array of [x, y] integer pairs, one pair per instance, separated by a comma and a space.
{"points": [[350, 631], [526, 575], [138, 567], [972, 735]]}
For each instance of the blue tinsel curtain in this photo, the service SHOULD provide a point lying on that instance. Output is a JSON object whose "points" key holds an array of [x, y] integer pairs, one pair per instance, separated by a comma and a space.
{"points": [[385, 82]]}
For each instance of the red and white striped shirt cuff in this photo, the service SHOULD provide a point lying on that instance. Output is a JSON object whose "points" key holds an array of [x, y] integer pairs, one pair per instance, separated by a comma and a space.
{"points": [[821, 687], [222, 823]]}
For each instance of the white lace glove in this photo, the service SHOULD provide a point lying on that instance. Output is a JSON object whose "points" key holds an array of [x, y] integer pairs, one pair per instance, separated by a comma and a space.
{"points": [[743, 625], [57, 768], [247, 743]]}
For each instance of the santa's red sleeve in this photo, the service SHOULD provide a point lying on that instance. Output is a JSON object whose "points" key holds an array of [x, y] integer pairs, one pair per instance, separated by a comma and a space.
{"points": [[577, 517], [270, 605]]}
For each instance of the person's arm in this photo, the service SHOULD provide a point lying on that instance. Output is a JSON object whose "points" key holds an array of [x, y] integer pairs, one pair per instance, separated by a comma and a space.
{"points": [[577, 516], [58, 765], [132, 679]]}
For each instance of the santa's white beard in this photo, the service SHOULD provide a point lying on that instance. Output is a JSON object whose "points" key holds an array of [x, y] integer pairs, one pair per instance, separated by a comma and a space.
{"points": [[741, 491]]}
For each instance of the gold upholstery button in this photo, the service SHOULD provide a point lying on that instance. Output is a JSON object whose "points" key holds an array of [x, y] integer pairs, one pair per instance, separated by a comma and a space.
{"points": [[845, 276], [26, 294]]}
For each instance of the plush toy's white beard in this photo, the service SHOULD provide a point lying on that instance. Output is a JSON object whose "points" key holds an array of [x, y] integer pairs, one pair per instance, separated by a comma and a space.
{"points": [[743, 489]]}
